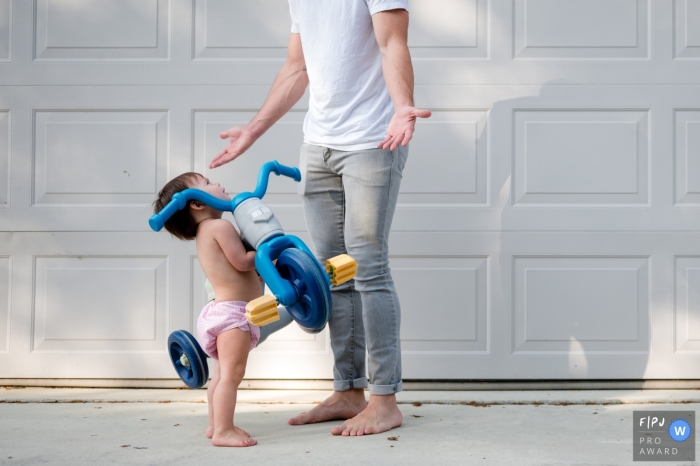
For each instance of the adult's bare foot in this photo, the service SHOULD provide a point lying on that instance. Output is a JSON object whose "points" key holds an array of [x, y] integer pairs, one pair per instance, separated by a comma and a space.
{"points": [[231, 438], [381, 414], [210, 431], [340, 405]]}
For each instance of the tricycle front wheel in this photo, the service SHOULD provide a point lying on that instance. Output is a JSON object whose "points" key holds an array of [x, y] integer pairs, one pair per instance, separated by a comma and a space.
{"points": [[313, 308]]}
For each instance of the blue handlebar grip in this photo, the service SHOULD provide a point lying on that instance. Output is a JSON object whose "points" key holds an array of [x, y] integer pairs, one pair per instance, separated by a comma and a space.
{"points": [[178, 202], [263, 177], [290, 172], [156, 222], [278, 169]]}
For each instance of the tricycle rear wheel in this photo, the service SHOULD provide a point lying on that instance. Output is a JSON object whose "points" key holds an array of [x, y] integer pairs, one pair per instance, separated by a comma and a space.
{"points": [[188, 358]]}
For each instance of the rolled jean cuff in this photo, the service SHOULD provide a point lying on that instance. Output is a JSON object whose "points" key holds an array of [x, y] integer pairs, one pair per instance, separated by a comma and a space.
{"points": [[343, 385], [385, 389]]}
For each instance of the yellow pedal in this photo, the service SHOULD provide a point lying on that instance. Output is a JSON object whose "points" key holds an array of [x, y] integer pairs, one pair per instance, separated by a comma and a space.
{"points": [[262, 311], [341, 269]]}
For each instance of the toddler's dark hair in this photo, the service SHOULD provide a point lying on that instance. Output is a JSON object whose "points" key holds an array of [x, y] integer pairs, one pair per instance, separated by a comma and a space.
{"points": [[181, 224]]}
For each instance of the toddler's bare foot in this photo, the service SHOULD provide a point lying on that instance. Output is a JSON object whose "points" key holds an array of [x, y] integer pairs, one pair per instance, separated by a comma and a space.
{"points": [[232, 438], [340, 405], [380, 415], [210, 431]]}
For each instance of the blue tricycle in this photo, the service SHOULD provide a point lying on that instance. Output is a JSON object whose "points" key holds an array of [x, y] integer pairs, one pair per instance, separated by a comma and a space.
{"points": [[299, 283]]}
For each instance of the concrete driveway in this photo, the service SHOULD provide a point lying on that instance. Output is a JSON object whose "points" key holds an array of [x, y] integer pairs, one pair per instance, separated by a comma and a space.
{"points": [[166, 427]]}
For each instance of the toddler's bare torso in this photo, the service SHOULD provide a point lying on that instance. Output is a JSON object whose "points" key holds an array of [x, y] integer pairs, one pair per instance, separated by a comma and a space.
{"points": [[229, 283]]}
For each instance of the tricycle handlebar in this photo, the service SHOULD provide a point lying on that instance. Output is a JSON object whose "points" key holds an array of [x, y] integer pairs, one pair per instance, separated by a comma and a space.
{"points": [[180, 200]]}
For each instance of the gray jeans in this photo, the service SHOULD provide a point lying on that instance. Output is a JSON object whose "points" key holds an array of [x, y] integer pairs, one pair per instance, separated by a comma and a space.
{"points": [[349, 200]]}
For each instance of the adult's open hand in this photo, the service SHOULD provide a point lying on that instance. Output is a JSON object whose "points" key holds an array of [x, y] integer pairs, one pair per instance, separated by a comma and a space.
{"points": [[240, 139], [402, 126]]}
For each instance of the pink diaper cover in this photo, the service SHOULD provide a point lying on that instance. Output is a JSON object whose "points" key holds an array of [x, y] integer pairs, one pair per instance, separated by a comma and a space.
{"points": [[217, 317]]}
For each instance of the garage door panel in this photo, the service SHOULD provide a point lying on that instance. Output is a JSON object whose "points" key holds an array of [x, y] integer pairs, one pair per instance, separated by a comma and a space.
{"points": [[453, 145], [442, 29], [5, 287], [687, 305], [225, 30], [99, 304], [94, 305], [444, 302], [581, 157], [573, 304], [587, 29], [95, 30], [5, 29], [687, 157], [4, 159], [686, 31], [99, 157]]}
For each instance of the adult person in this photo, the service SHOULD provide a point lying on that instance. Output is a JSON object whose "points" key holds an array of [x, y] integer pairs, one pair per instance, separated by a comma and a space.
{"points": [[355, 57]]}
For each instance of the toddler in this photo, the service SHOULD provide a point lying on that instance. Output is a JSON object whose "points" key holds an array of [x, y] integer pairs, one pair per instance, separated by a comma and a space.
{"points": [[222, 330]]}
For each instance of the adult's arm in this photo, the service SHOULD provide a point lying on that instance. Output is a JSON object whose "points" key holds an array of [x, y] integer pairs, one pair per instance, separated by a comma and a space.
{"points": [[286, 91], [391, 30]]}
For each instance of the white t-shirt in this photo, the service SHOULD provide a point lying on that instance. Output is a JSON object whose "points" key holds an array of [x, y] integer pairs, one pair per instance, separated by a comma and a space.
{"points": [[349, 107]]}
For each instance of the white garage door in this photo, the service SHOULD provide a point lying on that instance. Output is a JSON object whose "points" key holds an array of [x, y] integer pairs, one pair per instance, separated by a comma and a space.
{"points": [[548, 223]]}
